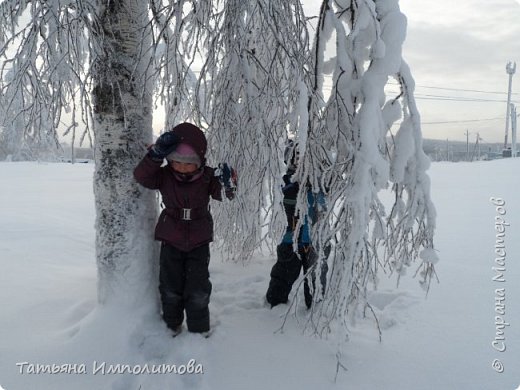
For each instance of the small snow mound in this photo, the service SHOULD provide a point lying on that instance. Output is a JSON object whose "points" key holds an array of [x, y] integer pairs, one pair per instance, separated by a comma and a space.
{"points": [[384, 299], [391, 307], [428, 255]]}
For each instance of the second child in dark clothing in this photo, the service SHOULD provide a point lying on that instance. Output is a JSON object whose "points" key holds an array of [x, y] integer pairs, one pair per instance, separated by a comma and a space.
{"points": [[185, 226], [289, 264]]}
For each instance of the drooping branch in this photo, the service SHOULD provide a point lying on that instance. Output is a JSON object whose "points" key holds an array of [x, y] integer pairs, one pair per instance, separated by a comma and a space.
{"points": [[355, 235], [252, 85], [44, 66]]}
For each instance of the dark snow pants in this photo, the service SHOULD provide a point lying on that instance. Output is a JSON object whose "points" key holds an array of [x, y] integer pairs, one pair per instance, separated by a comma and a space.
{"points": [[185, 286], [287, 269]]}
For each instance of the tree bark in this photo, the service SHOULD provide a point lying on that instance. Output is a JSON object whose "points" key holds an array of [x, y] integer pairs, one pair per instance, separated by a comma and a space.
{"points": [[125, 212]]}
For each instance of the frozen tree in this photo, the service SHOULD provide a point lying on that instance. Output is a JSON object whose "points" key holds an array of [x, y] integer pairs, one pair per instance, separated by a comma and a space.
{"points": [[352, 157], [90, 62], [97, 65]]}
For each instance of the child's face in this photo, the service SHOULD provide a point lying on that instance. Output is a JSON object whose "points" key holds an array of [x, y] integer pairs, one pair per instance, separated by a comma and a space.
{"points": [[183, 167]]}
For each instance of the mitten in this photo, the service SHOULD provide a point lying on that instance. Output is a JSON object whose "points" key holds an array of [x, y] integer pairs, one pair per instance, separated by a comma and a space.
{"points": [[164, 145], [228, 178]]}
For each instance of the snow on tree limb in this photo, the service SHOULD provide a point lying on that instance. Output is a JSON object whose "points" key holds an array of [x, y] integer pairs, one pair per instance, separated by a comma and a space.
{"points": [[42, 46], [252, 84], [355, 126]]}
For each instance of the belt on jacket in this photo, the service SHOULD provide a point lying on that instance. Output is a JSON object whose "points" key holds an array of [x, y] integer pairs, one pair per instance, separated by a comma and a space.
{"points": [[187, 214]]}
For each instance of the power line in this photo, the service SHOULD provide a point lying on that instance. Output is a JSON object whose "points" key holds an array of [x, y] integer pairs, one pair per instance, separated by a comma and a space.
{"points": [[422, 96], [447, 88], [425, 96], [457, 99], [461, 121], [459, 89], [451, 89]]}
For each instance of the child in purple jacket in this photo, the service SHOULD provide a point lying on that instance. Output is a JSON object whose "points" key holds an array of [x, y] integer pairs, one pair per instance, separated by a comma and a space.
{"points": [[185, 226]]}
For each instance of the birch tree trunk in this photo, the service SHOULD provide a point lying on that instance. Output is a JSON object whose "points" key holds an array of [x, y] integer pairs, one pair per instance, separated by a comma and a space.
{"points": [[125, 212]]}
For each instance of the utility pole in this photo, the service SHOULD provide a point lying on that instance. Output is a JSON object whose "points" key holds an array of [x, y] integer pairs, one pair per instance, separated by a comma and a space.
{"points": [[447, 149], [478, 144], [510, 70], [513, 130], [476, 149], [467, 145]]}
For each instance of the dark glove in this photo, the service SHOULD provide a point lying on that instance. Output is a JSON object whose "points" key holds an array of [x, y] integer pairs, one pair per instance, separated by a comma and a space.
{"points": [[228, 178], [164, 145]]}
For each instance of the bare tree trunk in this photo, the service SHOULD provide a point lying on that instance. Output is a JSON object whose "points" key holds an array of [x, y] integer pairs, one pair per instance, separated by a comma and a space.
{"points": [[126, 213]]}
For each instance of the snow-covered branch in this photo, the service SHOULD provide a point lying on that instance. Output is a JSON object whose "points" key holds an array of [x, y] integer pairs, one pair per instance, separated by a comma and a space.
{"points": [[356, 232], [44, 51], [252, 87]]}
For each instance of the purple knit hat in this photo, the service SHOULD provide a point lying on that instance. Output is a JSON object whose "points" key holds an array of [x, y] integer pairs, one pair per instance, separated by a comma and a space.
{"points": [[184, 153]]}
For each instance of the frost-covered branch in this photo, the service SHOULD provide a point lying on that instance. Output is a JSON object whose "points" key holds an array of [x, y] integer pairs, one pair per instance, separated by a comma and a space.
{"points": [[411, 224], [253, 94], [180, 28], [44, 49], [349, 157]]}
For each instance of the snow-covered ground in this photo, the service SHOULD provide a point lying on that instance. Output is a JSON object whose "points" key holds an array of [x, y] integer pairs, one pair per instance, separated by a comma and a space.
{"points": [[48, 314]]}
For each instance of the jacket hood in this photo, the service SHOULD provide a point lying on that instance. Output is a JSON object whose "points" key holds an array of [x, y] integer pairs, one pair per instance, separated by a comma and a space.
{"points": [[193, 136]]}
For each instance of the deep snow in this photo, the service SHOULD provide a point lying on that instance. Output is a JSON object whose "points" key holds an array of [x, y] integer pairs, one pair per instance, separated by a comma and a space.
{"points": [[442, 341]]}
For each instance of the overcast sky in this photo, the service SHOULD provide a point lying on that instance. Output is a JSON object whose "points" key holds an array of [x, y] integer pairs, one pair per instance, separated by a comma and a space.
{"points": [[461, 45]]}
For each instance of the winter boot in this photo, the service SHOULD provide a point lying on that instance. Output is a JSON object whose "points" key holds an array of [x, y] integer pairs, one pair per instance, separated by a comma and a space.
{"points": [[176, 331]]}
